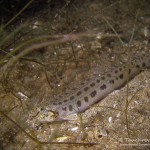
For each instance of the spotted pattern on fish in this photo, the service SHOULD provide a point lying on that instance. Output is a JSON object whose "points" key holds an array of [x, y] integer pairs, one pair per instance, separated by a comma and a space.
{"points": [[99, 87]]}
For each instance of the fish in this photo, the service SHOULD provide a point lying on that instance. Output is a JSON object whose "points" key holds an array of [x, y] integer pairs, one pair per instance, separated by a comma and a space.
{"points": [[95, 90]]}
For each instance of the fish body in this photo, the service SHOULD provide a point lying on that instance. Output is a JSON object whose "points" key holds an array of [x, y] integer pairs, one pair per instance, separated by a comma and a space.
{"points": [[99, 87]]}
